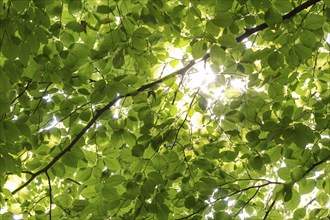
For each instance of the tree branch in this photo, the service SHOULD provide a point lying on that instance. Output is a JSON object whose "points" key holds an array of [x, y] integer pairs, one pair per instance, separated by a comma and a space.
{"points": [[268, 210], [19, 95], [289, 15], [223, 197], [50, 196], [314, 166], [247, 202], [183, 70]]}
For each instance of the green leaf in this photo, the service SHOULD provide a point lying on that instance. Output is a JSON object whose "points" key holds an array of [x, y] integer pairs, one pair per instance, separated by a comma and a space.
{"points": [[172, 157], [4, 103], [223, 19], [284, 173], [273, 17], [80, 50], [252, 136], [70, 159], [276, 90], [99, 78], [221, 6], [322, 198], [129, 138], [2, 165], [299, 213], [313, 22], [256, 163], [232, 92], [275, 60], [116, 139], [66, 38], [103, 9], [97, 95], [156, 177], [132, 190], [142, 32], [283, 6], [269, 126], [202, 103], [41, 35], [294, 201], [303, 135], [74, 26], [79, 205], [116, 180], [227, 40], [74, 6], [58, 169], [217, 54], [297, 173], [9, 131], [158, 162], [199, 49], [139, 43], [306, 186], [83, 174], [307, 38], [119, 60], [9, 49], [303, 52], [212, 28], [112, 163], [261, 5], [190, 202]]}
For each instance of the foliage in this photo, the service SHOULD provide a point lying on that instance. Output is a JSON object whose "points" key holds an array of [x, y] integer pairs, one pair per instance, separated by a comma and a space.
{"points": [[100, 117]]}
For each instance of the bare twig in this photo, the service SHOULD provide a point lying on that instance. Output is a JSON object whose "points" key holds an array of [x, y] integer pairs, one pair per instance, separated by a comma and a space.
{"points": [[223, 197], [185, 118], [41, 98], [268, 210], [19, 95], [247, 202], [50, 196]]}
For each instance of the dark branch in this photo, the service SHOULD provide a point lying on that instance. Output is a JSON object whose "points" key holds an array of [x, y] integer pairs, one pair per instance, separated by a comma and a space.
{"points": [[269, 209], [289, 15], [263, 26], [17, 97], [314, 166], [50, 196], [223, 197], [247, 202]]}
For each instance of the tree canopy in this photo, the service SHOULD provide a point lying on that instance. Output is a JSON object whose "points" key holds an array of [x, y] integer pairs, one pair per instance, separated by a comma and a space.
{"points": [[164, 109]]}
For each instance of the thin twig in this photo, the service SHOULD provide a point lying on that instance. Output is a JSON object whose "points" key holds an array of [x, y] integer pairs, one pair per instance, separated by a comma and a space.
{"points": [[247, 202], [50, 196], [223, 197], [269, 209], [17, 97]]}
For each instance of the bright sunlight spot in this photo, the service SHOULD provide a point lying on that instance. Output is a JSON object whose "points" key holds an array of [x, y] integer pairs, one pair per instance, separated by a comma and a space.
{"points": [[52, 124], [201, 76], [248, 44], [238, 84], [17, 217], [12, 182]]}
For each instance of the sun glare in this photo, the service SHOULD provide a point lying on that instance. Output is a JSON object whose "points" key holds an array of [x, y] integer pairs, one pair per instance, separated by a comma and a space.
{"points": [[12, 182], [238, 84], [201, 77], [248, 44]]}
